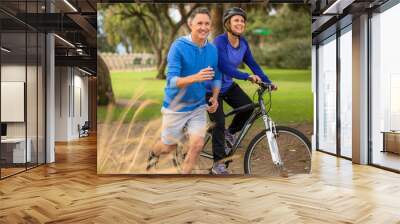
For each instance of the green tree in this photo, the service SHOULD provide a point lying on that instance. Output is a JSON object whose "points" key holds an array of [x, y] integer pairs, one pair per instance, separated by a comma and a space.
{"points": [[103, 46], [289, 44], [146, 27]]}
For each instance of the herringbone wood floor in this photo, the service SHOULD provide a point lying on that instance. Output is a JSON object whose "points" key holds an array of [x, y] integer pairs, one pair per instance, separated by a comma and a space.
{"points": [[70, 191]]}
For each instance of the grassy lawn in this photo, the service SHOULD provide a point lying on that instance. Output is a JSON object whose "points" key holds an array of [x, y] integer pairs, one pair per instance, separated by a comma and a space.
{"points": [[292, 103]]}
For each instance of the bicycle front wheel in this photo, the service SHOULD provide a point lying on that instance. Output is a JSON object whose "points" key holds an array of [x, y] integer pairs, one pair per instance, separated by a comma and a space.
{"points": [[294, 149]]}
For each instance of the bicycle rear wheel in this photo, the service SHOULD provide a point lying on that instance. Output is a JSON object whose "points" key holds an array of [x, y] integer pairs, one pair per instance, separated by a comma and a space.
{"points": [[294, 148]]}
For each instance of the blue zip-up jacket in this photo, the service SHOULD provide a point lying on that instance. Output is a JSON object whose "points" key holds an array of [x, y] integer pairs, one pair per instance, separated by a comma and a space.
{"points": [[185, 58], [229, 59]]}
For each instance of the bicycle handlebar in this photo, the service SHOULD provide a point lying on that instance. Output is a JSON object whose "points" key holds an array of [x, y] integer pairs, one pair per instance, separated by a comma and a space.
{"points": [[265, 85]]}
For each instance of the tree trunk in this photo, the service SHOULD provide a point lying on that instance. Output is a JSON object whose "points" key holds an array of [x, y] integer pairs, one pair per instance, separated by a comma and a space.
{"points": [[161, 69], [216, 20], [161, 63], [162, 52], [162, 55], [105, 94]]}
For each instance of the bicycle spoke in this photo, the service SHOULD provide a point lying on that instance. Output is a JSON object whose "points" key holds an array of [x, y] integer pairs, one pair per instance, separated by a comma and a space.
{"points": [[295, 156], [261, 160], [293, 149]]}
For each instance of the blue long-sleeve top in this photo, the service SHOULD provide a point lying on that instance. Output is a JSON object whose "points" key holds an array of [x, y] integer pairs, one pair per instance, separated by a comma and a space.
{"points": [[185, 58], [229, 59]]}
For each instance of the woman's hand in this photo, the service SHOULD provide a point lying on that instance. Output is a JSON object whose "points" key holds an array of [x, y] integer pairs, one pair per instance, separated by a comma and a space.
{"points": [[254, 79]]}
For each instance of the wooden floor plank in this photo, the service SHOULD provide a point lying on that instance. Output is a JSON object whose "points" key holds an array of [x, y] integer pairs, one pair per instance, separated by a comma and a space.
{"points": [[70, 191]]}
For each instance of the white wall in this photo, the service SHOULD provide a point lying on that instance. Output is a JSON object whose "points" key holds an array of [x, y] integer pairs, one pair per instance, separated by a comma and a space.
{"points": [[62, 80], [13, 73], [80, 110], [71, 94]]}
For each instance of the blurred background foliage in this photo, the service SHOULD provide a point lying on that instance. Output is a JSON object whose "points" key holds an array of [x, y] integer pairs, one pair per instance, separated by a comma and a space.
{"points": [[279, 34]]}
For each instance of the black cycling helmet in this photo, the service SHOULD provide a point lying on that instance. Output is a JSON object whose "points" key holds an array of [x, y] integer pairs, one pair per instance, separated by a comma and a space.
{"points": [[232, 12]]}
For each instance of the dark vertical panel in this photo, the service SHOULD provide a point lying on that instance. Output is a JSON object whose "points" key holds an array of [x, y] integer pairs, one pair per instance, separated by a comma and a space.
{"points": [[46, 3], [37, 91], [369, 37], [73, 91], [338, 72], [59, 82], [26, 86], [1, 165], [317, 97], [69, 97]]}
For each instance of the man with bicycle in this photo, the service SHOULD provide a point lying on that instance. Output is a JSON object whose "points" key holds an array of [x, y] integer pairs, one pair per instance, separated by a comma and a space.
{"points": [[233, 49], [192, 67]]}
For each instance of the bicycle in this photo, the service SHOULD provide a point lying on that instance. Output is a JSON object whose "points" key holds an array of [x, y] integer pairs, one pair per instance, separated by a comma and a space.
{"points": [[289, 149]]}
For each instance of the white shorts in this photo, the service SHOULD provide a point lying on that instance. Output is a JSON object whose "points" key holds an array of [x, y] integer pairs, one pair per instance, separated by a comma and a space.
{"points": [[176, 124]]}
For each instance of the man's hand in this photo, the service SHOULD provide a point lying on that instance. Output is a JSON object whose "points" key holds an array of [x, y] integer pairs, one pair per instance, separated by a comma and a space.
{"points": [[254, 79], [203, 75], [274, 87], [214, 105]]}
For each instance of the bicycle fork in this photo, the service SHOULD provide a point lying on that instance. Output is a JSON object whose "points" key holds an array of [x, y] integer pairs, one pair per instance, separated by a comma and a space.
{"points": [[271, 139]]}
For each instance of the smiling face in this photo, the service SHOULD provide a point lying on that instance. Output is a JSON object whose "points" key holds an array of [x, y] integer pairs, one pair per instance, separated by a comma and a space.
{"points": [[237, 24], [200, 26]]}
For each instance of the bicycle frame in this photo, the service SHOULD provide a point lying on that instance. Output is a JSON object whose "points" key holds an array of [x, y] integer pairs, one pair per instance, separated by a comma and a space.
{"points": [[256, 113], [259, 111]]}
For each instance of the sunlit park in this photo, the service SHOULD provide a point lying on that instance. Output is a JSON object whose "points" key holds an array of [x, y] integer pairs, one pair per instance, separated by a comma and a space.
{"points": [[133, 42], [291, 104], [136, 58]]}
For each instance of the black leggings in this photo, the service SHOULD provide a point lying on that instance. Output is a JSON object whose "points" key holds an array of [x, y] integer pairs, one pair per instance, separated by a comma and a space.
{"points": [[235, 97]]}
